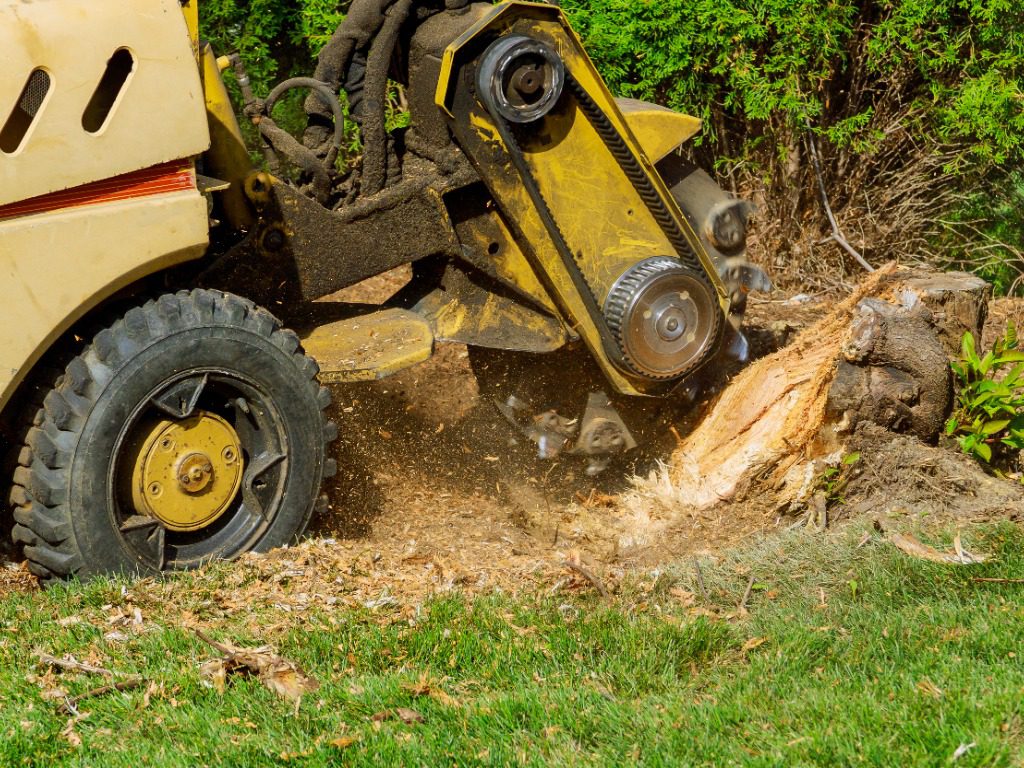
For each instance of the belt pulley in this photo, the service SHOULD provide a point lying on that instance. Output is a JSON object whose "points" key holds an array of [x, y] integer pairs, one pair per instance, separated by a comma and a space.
{"points": [[661, 320]]}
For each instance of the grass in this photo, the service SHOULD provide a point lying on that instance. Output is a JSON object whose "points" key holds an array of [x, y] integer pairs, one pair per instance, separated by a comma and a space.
{"points": [[849, 656]]}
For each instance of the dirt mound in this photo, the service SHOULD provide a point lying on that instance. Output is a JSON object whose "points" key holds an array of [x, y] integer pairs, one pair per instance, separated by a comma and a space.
{"points": [[898, 475]]}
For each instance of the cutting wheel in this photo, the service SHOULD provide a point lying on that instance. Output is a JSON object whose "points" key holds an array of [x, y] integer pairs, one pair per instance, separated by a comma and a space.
{"points": [[663, 318]]}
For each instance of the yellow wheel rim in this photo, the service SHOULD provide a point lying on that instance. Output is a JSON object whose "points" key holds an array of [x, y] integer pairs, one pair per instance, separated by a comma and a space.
{"points": [[187, 473]]}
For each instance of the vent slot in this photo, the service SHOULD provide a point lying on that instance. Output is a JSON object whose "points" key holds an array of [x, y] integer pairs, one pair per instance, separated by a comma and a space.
{"points": [[119, 68], [25, 112]]}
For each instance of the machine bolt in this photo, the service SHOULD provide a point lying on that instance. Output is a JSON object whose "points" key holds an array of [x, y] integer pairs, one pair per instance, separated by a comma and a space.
{"points": [[671, 324], [273, 240], [195, 473]]}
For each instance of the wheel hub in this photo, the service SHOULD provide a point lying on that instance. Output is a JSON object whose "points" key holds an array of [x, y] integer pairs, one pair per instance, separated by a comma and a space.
{"points": [[187, 473]]}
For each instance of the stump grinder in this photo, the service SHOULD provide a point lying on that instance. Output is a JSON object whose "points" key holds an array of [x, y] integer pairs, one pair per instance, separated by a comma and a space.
{"points": [[159, 416]]}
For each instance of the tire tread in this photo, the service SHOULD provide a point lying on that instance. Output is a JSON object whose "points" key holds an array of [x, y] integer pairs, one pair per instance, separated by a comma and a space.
{"points": [[42, 513]]}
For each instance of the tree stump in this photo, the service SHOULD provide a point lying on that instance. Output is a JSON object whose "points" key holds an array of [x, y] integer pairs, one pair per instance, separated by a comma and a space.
{"points": [[892, 371], [880, 356], [958, 302]]}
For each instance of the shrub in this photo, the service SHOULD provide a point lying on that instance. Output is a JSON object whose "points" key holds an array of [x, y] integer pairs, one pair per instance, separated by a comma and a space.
{"points": [[989, 418], [916, 107]]}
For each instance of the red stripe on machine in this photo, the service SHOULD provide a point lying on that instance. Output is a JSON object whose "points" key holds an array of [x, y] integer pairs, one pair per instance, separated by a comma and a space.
{"points": [[157, 180]]}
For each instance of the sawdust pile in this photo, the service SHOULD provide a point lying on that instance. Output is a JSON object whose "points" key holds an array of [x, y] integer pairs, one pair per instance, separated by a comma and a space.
{"points": [[431, 499]]}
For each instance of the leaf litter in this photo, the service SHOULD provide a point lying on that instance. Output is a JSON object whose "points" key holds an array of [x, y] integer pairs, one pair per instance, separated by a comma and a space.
{"points": [[283, 677]]}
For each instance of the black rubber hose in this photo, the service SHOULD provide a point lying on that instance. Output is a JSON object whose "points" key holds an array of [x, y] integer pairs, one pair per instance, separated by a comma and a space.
{"points": [[329, 99], [360, 26], [378, 64]]}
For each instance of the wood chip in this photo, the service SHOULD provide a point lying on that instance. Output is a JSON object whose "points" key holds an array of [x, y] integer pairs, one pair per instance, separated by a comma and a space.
{"points": [[915, 548]]}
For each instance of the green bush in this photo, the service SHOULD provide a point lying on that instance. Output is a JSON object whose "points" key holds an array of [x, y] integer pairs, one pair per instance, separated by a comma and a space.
{"points": [[916, 106]]}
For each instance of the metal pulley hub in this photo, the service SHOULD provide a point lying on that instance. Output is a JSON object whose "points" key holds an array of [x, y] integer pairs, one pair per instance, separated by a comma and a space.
{"points": [[663, 318], [520, 79]]}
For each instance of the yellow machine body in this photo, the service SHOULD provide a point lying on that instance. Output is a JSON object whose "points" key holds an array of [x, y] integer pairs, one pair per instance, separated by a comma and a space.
{"points": [[101, 117], [600, 213]]}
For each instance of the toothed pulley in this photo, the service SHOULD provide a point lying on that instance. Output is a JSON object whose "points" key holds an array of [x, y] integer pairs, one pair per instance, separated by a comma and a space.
{"points": [[663, 318]]}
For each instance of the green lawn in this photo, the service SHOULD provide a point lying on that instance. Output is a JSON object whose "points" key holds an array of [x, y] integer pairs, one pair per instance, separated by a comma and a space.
{"points": [[849, 655]]}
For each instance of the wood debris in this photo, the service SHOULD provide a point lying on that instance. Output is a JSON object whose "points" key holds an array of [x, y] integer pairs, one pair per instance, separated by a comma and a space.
{"points": [[280, 675], [915, 548]]}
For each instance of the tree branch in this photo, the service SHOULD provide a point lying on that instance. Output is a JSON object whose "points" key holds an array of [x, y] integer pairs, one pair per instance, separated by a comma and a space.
{"points": [[837, 234]]}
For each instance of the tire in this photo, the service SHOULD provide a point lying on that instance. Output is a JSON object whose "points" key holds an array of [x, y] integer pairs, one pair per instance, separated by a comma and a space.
{"points": [[193, 358]]}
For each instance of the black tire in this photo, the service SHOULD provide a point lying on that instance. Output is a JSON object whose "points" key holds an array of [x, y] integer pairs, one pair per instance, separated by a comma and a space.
{"points": [[70, 510]]}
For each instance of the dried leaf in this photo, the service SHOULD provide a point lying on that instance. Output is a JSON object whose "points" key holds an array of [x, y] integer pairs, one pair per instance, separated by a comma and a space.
{"points": [[151, 689], [753, 643], [421, 687], [285, 679], [409, 716], [344, 742], [928, 688], [280, 675], [914, 548], [289, 756], [69, 733], [684, 596], [215, 672], [439, 695]]}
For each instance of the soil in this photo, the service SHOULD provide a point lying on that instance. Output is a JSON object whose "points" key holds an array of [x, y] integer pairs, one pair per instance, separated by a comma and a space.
{"points": [[436, 492]]}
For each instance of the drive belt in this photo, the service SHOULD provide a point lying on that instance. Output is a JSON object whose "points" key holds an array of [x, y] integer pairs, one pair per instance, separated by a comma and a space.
{"points": [[637, 176]]}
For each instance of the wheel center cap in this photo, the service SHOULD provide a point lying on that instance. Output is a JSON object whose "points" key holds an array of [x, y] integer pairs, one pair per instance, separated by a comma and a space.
{"points": [[187, 473], [195, 472]]}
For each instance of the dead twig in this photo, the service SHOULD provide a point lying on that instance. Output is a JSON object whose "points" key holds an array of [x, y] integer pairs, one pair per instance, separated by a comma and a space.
{"points": [[994, 580], [586, 574], [837, 234], [226, 650], [70, 705], [700, 581], [746, 594], [72, 665], [913, 547]]}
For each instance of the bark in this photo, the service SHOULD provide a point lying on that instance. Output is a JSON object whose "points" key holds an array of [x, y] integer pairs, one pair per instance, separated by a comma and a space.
{"points": [[892, 371], [958, 303]]}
